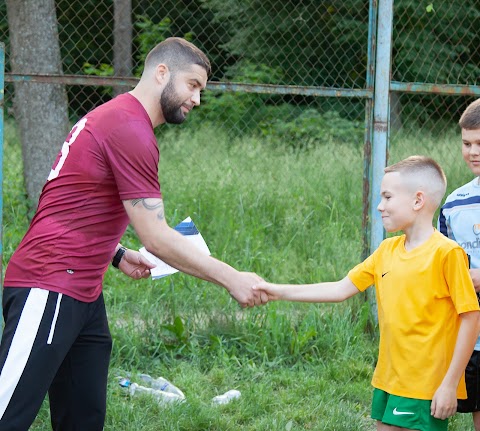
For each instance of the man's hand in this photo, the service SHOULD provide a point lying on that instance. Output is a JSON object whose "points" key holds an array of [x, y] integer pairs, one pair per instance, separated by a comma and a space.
{"points": [[241, 289], [135, 265]]}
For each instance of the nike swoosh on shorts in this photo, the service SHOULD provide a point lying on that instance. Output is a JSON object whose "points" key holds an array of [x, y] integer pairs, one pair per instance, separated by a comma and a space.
{"points": [[397, 413]]}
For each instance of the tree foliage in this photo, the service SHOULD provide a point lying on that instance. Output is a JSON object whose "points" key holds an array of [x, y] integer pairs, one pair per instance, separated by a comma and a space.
{"points": [[439, 45], [313, 43], [299, 42]]}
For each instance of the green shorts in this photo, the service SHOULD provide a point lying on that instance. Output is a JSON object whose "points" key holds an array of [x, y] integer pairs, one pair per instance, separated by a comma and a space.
{"points": [[405, 412]]}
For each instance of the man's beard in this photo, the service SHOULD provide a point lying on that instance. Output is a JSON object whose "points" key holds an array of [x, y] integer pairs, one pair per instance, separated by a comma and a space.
{"points": [[171, 105]]}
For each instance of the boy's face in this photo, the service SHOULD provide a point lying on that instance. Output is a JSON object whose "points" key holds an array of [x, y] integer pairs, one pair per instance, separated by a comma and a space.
{"points": [[396, 204], [471, 149]]}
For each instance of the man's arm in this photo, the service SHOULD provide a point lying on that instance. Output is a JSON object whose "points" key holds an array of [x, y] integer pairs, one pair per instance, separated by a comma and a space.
{"points": [[148, 219], [444, 402]]}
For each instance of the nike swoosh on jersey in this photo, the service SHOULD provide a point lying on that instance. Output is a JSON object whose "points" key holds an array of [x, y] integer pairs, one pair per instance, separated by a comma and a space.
{"points": [[397, 413]]}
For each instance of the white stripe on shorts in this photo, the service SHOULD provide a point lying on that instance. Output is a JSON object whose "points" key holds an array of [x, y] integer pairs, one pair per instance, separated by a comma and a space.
{"points": [[22, 344], [54, 321]]}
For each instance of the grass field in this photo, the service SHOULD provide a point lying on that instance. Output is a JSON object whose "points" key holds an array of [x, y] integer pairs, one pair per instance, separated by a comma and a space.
{"points": [[291, 216]]}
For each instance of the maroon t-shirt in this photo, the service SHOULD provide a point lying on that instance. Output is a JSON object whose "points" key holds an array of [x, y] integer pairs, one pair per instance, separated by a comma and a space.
{"points": [[110, 155]]}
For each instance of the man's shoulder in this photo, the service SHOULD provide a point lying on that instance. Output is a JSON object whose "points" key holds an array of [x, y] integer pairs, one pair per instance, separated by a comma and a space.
{"points": [[122, 117], [121, 109]]}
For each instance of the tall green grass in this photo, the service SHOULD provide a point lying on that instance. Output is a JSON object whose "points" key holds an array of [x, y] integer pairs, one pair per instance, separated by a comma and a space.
{"points": [[289, 215]]}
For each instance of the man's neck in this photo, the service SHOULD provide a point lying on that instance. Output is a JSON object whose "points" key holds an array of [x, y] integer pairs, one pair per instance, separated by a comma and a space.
{"points": [[149, 104]]}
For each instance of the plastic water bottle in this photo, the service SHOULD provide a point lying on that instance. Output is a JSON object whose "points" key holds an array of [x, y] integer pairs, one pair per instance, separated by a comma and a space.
{"points": [[161, 396], [226, 397], [124, 382], [161, 384]]}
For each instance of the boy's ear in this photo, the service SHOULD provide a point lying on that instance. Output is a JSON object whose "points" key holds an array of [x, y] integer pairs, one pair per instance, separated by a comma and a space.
{"points": [[419, 200]]}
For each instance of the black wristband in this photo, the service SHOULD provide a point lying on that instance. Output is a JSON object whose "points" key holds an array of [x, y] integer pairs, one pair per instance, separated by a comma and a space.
{"points": [[118, 256]]}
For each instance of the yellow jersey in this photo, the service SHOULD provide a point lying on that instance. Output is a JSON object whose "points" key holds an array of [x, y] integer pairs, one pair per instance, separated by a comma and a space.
{"points": [[420, 294]]}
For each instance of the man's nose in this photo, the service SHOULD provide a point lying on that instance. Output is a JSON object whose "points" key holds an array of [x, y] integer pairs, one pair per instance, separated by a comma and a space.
{"points": [[196, 98]]}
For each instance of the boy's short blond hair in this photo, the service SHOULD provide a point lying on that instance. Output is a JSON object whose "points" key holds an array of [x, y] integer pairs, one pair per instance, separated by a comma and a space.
{"points": [[424, 173], [470, 119]]}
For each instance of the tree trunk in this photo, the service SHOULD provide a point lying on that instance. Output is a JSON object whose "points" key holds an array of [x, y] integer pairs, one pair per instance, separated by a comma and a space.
{"points": [[41, 110], [122, 45]]}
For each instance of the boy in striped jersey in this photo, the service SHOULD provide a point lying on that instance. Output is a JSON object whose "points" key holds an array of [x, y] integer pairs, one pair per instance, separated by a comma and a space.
{"points": [[460, 220]]}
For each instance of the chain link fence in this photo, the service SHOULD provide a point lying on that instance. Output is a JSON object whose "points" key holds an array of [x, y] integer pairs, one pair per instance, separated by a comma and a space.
{"points": [[249, 42], [435, 74], [292, 71]]}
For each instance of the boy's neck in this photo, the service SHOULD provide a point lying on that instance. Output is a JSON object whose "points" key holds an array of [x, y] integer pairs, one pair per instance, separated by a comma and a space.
{"points": [[418, 233]]}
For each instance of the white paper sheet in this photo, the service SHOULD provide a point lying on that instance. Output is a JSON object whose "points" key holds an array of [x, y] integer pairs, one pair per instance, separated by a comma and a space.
{"points": [[188, 229]]}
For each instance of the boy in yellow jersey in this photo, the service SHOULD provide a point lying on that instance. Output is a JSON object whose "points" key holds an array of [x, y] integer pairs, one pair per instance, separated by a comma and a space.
{"points": [[428, 311]]}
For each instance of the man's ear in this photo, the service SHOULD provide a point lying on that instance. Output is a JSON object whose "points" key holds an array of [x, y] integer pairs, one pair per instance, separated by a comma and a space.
{"points": [[162, 73], [419, 200]]}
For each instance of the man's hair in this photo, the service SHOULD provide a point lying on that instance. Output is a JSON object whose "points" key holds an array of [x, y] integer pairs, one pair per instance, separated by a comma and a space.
{"points": [[178, 54], [470, 119], [423, 173]]}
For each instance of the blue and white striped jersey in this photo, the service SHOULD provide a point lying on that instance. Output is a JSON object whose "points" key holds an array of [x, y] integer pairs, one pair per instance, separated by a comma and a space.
{"points": [[460, 220]]}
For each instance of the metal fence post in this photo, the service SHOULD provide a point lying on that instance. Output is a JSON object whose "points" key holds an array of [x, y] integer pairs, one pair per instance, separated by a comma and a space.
{"points": [[381, 120], [381, 115], [367, 148]]}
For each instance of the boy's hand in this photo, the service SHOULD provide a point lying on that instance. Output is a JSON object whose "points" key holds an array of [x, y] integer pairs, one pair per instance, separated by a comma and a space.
{"points": [[444, 402], [272, 291]]}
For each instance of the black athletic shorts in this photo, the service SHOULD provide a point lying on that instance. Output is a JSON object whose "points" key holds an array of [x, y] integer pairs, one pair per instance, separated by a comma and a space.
{"points": [[52, 342], [472, 380]]}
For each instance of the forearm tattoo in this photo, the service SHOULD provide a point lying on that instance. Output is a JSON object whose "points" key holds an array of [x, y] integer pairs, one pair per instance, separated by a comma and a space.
{"points": [[152, 205]]}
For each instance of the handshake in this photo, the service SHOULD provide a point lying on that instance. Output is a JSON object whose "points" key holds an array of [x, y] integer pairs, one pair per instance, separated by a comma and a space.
{"points": [[249, 289]]}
